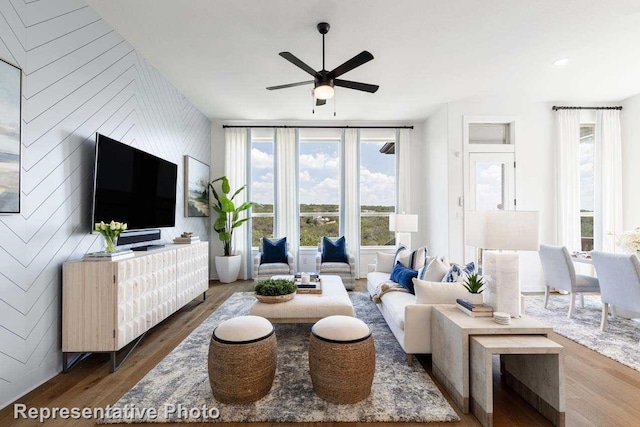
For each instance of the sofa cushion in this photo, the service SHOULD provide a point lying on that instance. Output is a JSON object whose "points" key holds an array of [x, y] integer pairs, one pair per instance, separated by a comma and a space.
{"points": [[394, 304], [435, 271], [384, 262], [458, 273], [274, 251], [334, 251], [411, 259], [403, 275], [438, 292]]}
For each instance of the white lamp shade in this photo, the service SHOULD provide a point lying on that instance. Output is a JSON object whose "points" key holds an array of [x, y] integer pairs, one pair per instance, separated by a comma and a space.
{"points": [[503, 230], [403, 223]]}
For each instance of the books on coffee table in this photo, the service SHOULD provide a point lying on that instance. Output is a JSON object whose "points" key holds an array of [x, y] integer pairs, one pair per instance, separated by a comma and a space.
{"points": [[474, 310]]}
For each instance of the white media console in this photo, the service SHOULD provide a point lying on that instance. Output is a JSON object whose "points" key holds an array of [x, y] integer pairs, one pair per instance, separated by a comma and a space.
{"points": [[107, 305]]}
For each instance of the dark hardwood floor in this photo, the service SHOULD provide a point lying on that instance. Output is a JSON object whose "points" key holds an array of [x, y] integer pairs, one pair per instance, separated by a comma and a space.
{"points": [[599, 391]]}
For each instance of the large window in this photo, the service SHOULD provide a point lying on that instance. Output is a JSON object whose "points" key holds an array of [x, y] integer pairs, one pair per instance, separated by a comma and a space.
{"points": [[319, 187], [587, 151], [377, 187], [262, 185]]}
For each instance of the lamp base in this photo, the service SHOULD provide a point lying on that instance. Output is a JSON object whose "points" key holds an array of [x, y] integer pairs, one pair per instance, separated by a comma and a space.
{"points": [[403, 239], [500, 270]]}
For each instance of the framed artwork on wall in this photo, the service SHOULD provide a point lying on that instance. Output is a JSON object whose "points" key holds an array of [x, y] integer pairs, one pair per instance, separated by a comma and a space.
{"points": [[196, 188], [10, 130]]}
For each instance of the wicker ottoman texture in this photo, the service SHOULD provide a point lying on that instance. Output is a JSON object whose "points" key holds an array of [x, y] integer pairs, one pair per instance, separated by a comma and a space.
{"points": [[242, 359], [342, 359]]}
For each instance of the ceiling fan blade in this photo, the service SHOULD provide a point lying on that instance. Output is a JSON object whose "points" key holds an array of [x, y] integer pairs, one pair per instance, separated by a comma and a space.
{"points": [[361, 58], [298, 63], [290, 85], [321, 102], [356, 85]]}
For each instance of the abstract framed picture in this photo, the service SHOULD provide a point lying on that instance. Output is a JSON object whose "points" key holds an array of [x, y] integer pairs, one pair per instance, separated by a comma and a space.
{"points": [[10, 111], [196, 184]]}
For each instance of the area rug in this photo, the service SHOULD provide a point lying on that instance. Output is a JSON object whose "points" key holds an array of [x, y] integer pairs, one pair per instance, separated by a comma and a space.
{"points": [[619, 341], [179, 384]]}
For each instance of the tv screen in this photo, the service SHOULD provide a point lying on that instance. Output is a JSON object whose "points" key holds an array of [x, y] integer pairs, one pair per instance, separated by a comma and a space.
{"points": [[133, 186]]}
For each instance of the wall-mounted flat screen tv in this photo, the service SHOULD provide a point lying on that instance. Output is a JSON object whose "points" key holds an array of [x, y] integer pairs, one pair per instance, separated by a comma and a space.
{"points": [[132, 186]]}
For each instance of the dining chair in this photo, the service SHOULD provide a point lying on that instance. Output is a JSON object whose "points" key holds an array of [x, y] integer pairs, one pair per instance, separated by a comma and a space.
{"points": [[560, 273], [619, 276]]}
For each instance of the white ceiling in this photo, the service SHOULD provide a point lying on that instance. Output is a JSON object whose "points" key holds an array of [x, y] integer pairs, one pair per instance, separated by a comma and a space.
{"points": [[222, 54]]}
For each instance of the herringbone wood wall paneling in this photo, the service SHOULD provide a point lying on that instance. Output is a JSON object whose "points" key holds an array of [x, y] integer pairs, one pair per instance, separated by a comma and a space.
{"points": [[80, 77]]}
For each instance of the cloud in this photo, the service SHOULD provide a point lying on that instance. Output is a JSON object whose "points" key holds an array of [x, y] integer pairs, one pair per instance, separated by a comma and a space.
{"points": [[320, 161], [305, 176], [377, 188], [261, 160]]}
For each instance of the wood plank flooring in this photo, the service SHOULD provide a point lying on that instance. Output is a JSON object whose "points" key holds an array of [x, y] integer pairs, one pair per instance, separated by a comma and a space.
{"points": [[599, 391]]}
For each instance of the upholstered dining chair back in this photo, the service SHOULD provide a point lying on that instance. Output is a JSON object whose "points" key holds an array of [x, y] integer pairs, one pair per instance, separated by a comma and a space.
{"points": [[619, 276], [558, 268]]}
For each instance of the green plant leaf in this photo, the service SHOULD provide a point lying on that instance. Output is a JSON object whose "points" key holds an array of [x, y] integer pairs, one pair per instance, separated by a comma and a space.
{"points": [[224, 236], [227, 205], [220, 224], [239, 223], [215, 193], [245, 206], [226, 188], [238, 191]]}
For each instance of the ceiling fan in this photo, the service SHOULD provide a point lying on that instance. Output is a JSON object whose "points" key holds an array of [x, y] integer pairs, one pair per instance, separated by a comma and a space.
{"points": [[323, 80]]}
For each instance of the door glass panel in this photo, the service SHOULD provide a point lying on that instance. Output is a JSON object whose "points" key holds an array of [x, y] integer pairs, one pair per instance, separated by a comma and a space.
{"points": [[490, 186]]}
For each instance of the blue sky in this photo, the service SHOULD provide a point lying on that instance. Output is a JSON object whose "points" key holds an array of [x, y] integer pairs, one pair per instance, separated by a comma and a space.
{"points": [[319, 174]]}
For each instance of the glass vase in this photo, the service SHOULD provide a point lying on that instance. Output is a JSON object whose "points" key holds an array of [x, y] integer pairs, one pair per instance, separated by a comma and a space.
{"points": [[110, 243]]}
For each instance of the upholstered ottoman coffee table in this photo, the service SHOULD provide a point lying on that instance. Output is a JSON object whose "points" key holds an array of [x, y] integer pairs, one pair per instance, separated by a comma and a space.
{"points": [[308, 308]]}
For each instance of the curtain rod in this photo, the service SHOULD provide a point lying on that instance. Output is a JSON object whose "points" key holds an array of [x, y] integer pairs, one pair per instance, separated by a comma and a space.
{"points": [[319, 127], [556, 108]]}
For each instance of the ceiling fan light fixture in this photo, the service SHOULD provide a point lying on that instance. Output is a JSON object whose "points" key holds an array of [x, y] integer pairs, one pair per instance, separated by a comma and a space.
{"points": [[324, 91]]}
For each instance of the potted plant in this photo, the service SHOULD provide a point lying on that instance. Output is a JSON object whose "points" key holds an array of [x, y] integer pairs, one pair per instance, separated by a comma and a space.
{"points": [[227, 266], [474, 284], [273, 291]]}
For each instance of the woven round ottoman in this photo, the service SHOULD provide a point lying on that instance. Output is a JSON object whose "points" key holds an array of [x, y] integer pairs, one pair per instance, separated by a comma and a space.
{"points": [[342, 359], [242, 359]]}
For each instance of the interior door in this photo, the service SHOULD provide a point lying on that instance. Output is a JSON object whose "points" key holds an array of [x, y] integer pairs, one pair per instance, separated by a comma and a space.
{"points": [[491, 185]]}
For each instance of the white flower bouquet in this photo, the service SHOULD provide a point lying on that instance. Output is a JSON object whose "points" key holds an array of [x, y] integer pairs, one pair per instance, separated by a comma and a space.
{"points": [[110, 232], [630, 240]]}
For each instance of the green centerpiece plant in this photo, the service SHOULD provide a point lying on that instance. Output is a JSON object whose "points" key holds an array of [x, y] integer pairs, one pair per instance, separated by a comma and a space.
{"points": [[474, 283], [275, 290]]}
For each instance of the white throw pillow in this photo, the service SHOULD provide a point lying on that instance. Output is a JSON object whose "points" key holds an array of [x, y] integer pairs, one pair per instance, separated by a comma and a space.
{"points": [[435, 271], [404, 256], [438, 292], [384, 262]]}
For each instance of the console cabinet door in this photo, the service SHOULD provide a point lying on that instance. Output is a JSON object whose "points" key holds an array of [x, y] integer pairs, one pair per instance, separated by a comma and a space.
{"points": [[193, 272], [88, 306]]}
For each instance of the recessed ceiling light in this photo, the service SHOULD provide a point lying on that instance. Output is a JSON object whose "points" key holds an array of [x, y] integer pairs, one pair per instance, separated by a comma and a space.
{"points": [[561, 62]]}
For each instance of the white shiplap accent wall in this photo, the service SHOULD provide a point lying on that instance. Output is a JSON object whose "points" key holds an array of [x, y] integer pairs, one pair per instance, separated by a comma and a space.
{"points": [[80, 77]]}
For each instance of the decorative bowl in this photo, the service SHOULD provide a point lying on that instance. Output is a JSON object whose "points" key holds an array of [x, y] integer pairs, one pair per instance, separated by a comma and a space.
{"points": [[274, 299]]}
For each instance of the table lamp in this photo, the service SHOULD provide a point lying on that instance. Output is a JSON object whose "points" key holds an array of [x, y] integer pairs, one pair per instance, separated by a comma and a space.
{"points": [[500, 234], [403, 224]]}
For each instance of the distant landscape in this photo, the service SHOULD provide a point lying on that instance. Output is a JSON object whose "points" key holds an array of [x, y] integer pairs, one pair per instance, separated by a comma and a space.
{"points": [[374, 230]]}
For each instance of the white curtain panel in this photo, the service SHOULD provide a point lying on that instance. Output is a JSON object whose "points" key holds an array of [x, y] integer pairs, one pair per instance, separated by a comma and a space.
{"points": [[235, 168], [568, 178], [286, 208], [351, 216], [403, 151], [608, 180]]}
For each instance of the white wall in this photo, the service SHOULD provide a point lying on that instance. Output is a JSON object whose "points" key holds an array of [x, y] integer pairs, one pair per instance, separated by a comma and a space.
{"points": [[79, 77], [630, 118], [435, 211]]}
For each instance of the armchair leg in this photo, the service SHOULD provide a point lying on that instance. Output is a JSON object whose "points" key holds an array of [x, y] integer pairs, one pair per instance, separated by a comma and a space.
{"points": [[605, 312], [581, 300], [572, 304], [546, 296], [409, 359]]}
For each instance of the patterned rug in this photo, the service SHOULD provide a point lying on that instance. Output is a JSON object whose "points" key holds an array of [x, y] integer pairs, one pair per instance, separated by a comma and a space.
{"points": [[619, 341], [179, 384]]}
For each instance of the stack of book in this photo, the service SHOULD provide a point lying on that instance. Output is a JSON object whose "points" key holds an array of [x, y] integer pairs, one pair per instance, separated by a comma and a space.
{"points": [[109, 256], [474, 310], [186, 240]]}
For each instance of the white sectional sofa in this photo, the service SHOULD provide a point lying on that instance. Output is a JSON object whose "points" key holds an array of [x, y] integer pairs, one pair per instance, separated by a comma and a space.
{"points": [[408, 315]]}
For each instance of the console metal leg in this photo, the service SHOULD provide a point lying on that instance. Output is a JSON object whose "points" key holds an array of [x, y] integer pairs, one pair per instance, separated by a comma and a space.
{"points": [[68, 364], [115, 363]]}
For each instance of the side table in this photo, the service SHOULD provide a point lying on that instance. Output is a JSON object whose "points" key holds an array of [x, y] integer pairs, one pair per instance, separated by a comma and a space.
{"points": [[451, 330]]}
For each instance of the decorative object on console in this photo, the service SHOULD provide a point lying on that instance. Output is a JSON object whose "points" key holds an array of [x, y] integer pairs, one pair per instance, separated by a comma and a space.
{"points": [[403, 224], [11, 108], [227, 266], [186, 238], [196, 194], [110, 232], [272, 291], [497, 232]]}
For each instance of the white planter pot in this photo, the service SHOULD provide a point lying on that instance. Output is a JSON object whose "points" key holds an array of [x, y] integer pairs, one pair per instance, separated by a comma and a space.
{"points": [[476, 298], [228, 268]]}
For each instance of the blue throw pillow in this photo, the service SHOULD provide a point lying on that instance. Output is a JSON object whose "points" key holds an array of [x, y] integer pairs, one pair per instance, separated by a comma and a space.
{"points": [[457, 273], [403, 275], [334, 251], [274, 251]]}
